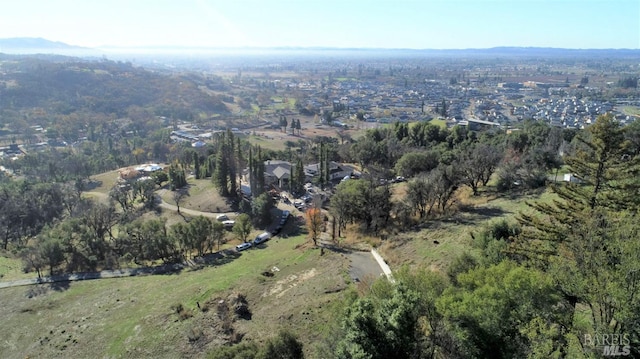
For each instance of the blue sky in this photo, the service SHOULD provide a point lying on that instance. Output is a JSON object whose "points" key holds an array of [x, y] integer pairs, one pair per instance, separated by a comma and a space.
{"points": [[417, 24]]}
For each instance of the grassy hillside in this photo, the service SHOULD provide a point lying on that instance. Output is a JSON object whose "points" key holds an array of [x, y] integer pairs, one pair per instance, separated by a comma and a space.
{"points": [[436, 243], [136, 317]]}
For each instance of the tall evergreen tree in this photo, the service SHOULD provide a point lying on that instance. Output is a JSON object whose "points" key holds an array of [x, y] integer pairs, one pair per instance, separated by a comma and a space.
{"points": [[256, 171], [177, 177], [232, 164], [221, 175], [321, 163], [240, 162], [580, 239], [297, 177], [252, 173], [607, 179], [327, 165]]}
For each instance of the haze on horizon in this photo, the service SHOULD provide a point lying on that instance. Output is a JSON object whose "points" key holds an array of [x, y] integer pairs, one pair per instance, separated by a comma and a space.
{"points": [[411, 24]]}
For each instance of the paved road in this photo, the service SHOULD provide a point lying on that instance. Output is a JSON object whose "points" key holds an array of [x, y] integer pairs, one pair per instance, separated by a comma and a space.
{"points": [[95, 275], [363, 266]]}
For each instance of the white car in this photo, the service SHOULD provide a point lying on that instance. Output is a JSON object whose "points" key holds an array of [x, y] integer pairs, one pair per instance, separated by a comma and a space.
{"points": [[222, 217], [261, 238], [228, 224], [243, 246]]}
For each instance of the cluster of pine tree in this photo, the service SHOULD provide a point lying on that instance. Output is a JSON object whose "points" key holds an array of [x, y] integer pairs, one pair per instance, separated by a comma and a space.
{"points": [[228, 164]]}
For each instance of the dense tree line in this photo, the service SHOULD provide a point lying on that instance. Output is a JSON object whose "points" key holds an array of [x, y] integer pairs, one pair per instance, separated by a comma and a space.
{"points": [[26, 208], [437, 162], [103, 238]]}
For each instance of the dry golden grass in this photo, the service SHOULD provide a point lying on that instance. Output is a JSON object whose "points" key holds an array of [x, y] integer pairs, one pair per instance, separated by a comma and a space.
{"points": [[354, 238], [202, 196], [103, 182]]}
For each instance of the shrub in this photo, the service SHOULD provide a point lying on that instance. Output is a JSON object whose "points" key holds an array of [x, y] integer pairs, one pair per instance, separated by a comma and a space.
{"points": [[194, 334]]}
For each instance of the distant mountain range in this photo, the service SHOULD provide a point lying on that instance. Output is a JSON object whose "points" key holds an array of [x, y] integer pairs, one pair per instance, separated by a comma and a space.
{"points": [[37, 45], [30, 45], [34, 43]]}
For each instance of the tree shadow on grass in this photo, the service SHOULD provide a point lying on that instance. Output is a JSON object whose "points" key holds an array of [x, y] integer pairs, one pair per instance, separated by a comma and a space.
{"points": [[60, 286], [218, 258], [91, 185], [485, 212], [168, 269], [518, 193], [335, 248], [36, 290], [472, 215], [44, 288]]}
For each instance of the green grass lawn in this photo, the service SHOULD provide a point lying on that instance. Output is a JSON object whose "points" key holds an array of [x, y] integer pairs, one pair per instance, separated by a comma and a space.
{"points": [[631, 111], [439, 122], [11, 268], [280, 104], [268, 143]]}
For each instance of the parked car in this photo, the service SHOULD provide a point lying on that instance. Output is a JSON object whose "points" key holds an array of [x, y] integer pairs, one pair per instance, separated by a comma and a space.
{"points": [[261, 238], [284, 218], [228, 224], [222, 217], [243, 246]]}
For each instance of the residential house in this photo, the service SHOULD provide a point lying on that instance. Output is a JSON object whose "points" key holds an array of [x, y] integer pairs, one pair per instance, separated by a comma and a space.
{"points": [[277, 173], [337, 171]]}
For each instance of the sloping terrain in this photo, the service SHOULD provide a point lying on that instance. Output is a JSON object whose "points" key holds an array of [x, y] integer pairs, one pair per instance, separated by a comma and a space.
{"points": [[177, 315]]}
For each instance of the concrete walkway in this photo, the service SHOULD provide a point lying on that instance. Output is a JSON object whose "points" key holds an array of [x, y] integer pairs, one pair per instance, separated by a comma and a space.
{"points": [[385, 267]]}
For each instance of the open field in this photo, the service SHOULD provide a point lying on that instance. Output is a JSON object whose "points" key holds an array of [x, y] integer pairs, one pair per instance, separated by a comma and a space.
{"points": [[439, 122], [202, 196], [631, 111], [133, 317], [104, 182], [436, 243]]}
